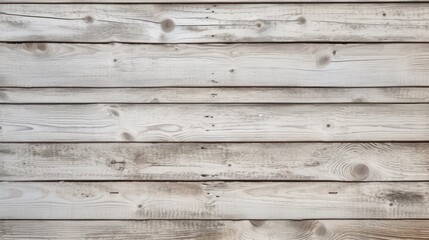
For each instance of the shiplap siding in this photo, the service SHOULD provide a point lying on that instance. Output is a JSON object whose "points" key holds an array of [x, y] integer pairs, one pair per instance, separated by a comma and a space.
{"points": [[222, 120]]}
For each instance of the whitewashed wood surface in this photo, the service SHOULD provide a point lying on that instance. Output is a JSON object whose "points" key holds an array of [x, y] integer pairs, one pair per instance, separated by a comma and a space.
{"points": [[214, 123], [216, 230], [192, 23], [213, 200], [210, 65], [216, 120], [215, 95], [215, 161]]}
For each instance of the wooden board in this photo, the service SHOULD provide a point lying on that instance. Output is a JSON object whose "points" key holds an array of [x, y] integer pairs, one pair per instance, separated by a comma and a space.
{"points": [[214, 95], [213, 200], [217, 230], [146, 65], [214, 123], [191, 23], [215, 161]]}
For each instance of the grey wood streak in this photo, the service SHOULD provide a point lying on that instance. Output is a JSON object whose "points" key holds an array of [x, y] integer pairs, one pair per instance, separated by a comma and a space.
{"points": [[217, 230], [215, 161], [213, 200], [190, 23], [214, 123], [214, 95], [146, 65]]}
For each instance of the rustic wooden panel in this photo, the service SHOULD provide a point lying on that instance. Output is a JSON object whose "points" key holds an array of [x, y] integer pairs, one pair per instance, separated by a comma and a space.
{"points": [[214, 95], [217, 230], [189, 23], [213, 200], [125, 65], [215, 161], [214, 123]]}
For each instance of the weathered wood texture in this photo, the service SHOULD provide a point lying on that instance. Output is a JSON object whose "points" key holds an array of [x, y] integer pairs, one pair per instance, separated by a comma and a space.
{"points": [[214, 123], [213, 200], [214, 95], [215, 161], [125, 65], [217, 230], [190, 23]]}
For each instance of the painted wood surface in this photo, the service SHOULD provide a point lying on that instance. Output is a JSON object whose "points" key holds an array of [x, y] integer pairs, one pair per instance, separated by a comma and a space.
{"points": [[213, 200], [169, 121], [214, 95], [214, 123], [217, 230], [215, 161], [146, 65], [191, 23]]}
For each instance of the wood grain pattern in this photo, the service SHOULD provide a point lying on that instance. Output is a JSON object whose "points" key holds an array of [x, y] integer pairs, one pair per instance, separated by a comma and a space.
{"points": [[214, 123], [214, 95], [190, 23], [215, 161], [146, 65], [217, 230], [213, 200]]}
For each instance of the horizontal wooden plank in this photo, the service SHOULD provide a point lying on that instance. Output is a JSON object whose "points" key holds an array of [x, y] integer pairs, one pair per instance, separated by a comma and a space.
{"points": [[215, 161], [190, 23], [213, 200], [214, 95], [217, 230], [214, 122], [134, 65]]}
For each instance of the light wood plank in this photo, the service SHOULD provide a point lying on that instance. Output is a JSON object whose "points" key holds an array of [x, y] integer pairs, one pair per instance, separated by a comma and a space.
{"points": [[214, 123], [217, 230], [214, 95], [215, 161], [190, 23], [134, 65], [213, 200]]}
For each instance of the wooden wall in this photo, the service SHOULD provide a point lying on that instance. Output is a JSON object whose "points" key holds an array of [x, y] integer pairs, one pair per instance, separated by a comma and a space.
{"points": [[222, 120]]}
